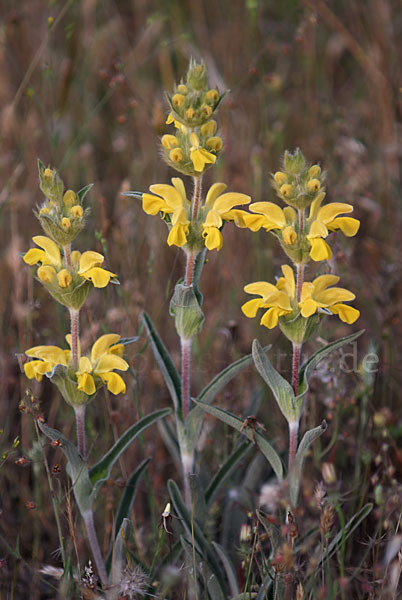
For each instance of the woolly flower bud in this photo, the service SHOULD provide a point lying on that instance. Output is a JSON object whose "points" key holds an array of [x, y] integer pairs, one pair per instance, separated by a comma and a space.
{"points": [[169, 141], [176, 155], [211, 96], [64, 278], [46, 274], [48, 173], [182, 88], [44, 211], [66, 223], [69, 198], [178, 100], [313, 185], [289, 235], [286, 190], [207, 110], [314, 171], [214, 143], [280, 177], [190, 112], [197, 75], [76, 211], [209, 128]]}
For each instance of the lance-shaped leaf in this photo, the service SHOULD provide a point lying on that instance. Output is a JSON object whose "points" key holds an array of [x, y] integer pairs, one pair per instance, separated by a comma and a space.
{"points": [[165, 363], [290, 406], [209, 393], [133, 194], [76, 468], [317, 357], [84, 191], [119, 560], [199, 265], [256, 437], [295, 475], [101, 471], [229, 568], [202, 546]]}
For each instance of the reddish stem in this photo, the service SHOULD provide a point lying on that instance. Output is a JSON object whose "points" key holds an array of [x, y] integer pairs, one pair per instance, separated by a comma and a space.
{"points": [[196, 197], [189, 273], [295, 367], [185, 374], [67, 255], [75, 330], [293, 433]]}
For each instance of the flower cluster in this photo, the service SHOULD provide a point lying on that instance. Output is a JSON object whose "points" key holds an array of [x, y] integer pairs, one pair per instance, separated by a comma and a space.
{"points": [[69, 275], [297, 306]]}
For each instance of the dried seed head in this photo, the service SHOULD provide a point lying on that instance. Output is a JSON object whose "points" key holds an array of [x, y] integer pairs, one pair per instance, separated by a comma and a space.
{"points": [[327, 519], [134, 583], [319, 495]]}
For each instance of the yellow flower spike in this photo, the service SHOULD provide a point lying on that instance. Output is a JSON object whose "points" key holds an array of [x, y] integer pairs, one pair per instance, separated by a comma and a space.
{"points": [[190, 113], [209, 128], [212, 96], [66, 223], [214, 143], [280, 177], [198, 155], [70, 198], [313, 185], [178, 100], [169, 141], [46, 273], [76, 211], [64, 278], [286, 190], [176, 155]]}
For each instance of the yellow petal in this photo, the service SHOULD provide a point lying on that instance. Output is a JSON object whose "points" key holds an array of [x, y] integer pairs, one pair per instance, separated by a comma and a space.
{"points": [[114, 382], [317, 229], [214, 191], [290, 214], [178, 235], [86, 384], [261, 288], [180, 216], [307, 290], [315, 206], [320, 250], [46, 273], [227, 201], [346, 313], [243, 219], [153, 204], [32, 371], [117, 349], [328, 212], [347, 225], [102, 345], [251, 307], [324, 281], [109, 362], [213, 238], [179, 186], [289, 235], [50, 247], [64, 278], [289, 276], [334, 295], [52, 354], [270, 318], [194, 141], [308, 307], [169, 193], [84, 365], [99, 277], [273, 212], [34, 255], [213, 219], [90, 259]]}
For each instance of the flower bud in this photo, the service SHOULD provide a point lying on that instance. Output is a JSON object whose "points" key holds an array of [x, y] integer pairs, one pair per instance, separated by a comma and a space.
{"points": [[169, 141], [209, 128], [280, 177], [44, 210], [286, 190], [69, 198], [176, 155], [46, 273], [197, 76], [76, 211], [178, 100], [66, 223], [50, 183], [64, 278], [289, 235], [314, 171], [212, 96], [294, 163], [186, 310], [313, 185], [207, 110], [182, 89], [214, 143]]}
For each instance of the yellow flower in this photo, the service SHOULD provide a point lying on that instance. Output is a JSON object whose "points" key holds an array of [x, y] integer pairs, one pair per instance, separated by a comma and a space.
{"points": [[64, 278], [325, 219], [280, 177], [214, 143], [316, 295], [198, 155], [49, 255], [313, 185], [176, 155], [90, 269], [169, 141], [46, 273], [66, 223], [178, 100], [212, 96], [69, 198], [190, 112], [209, 128], [170, 200], [101, 364], [76, 211], [104, 359], [218, 208], [277, 298], [273, 217]]}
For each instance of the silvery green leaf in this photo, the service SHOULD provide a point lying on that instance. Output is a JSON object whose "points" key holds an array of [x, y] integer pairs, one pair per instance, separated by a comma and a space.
{"points": [[229, 568], [308, 438], [290, 406]]}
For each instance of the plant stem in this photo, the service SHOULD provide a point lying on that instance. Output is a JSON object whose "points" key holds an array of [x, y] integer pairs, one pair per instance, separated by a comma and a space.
{"points": [[185, 374], [67, 255], [300, 268], [80, 424], [293, 433], [196, 197], [75, 331], [93, 542], [189, 272], [295, 367]]}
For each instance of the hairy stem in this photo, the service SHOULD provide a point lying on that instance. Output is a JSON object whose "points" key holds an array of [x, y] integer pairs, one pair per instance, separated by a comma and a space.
{"points": [[185, 374], [300, 268], [295, 367], [196, 196], [75, 332], [293, 433], [67, 255], [94, 544], [80, 424]]}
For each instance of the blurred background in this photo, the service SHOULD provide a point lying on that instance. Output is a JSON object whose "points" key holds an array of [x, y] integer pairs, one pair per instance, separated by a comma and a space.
{"points": [[82, 88]]}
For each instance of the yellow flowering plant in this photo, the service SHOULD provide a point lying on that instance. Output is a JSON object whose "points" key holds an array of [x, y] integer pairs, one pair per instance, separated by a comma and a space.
{"points": [[69, 275]]}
